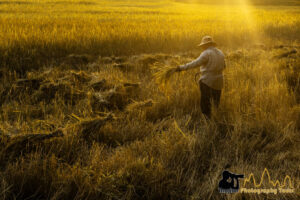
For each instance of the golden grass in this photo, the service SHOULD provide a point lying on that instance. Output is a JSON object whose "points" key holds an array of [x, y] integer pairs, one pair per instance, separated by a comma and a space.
{"points": [[33, 30]]}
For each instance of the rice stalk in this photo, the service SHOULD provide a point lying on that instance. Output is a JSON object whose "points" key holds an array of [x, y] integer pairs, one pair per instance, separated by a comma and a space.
{"points": [[163, 72], [139, 105]]}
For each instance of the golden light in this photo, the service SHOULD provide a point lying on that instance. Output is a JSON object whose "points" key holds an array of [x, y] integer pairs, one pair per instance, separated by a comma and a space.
{"points": [[245, 12]]}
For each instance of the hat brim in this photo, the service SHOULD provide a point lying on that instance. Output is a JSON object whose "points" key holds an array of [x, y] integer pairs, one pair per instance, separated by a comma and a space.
{"points": [[203, 44]]}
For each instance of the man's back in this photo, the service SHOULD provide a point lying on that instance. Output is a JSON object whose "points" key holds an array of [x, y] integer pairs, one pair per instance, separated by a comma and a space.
{"points": [[215, 62], [212, 62], [212, 70]]}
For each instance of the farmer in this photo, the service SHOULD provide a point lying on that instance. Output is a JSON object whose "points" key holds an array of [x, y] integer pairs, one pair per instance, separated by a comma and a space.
{"points": [[212, 64]]}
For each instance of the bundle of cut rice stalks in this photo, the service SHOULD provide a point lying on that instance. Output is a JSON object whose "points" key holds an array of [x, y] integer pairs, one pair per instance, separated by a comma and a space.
{"points": [[139, 105], [163, 72]]}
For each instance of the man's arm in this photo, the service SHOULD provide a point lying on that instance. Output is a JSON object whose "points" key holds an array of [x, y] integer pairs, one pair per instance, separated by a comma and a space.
{"points": [[202, 59]]}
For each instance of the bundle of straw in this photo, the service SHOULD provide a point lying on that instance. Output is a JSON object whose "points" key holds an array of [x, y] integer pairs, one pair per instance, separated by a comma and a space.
{"points": [[139, 105], [163, 72]]}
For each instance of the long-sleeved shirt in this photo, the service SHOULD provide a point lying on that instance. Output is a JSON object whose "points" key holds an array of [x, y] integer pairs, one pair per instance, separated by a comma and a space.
{"points": [[212, 62]]}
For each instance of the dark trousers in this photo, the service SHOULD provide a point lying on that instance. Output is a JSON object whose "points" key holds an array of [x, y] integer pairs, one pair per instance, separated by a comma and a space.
{"points": [[209, 96]]}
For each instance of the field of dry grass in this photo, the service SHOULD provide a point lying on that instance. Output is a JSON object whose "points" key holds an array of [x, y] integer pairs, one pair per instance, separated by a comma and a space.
{"points": [[82, 116]]}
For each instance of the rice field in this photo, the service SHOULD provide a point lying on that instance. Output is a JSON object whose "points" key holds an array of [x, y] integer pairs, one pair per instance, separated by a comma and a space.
{"points": [[91, 107], [34, 32]]}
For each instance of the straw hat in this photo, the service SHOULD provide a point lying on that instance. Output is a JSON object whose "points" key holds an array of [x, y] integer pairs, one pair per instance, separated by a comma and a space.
{"points": [[207, 40]]}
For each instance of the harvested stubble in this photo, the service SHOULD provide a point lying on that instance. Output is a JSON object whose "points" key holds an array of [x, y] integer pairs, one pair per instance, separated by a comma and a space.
{"points": [[19, 89], [114, 99], [81, 77], [100, 85], [286, 54], [4, 138], [17, 145], [48, 92], [88, 130], [125, 66], [75, 60], [45, 87]]}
